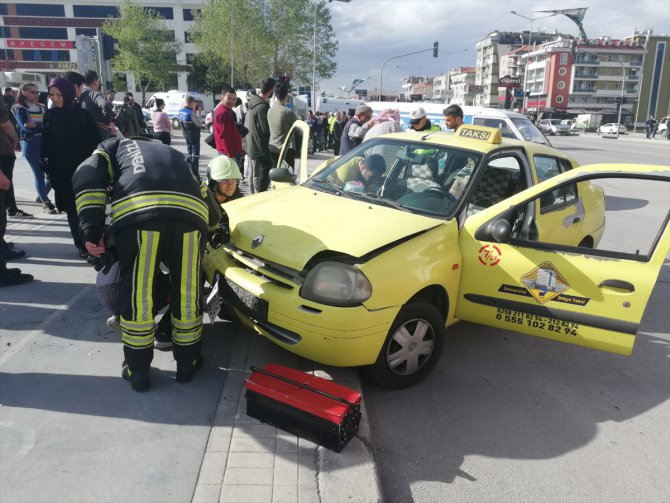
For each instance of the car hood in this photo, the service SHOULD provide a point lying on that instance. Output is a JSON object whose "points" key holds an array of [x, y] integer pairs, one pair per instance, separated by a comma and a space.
{"points": [[289, 226]]}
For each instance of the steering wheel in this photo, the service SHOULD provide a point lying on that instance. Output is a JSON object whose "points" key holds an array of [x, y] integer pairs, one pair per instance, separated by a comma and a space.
{"points": [[442, 193]]}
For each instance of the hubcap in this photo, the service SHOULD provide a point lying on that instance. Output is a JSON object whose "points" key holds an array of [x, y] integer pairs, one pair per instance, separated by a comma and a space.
{"points": [[410, 347]]}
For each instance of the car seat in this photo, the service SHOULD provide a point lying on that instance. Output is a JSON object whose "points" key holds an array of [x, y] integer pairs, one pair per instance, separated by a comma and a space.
{"points": [[421, 178]]}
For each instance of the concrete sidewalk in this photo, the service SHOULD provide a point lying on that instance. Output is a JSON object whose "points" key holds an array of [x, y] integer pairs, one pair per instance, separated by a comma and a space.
{"points": [[71, 430]]}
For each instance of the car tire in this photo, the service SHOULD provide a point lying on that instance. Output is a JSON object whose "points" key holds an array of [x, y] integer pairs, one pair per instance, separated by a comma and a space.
{"points": [[412, 347], [175, 123]]}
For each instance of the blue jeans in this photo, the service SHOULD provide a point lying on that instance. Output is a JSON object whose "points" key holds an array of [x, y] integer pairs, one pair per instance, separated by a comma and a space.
{"points": [[30, 149]]}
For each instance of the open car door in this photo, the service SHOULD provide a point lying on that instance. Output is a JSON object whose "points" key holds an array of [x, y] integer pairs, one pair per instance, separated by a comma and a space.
{"points": [[293, 155], [593, 294]]}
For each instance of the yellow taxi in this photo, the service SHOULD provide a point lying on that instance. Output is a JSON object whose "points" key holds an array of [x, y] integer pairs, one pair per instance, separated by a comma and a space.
{"points": [[370, 259]]}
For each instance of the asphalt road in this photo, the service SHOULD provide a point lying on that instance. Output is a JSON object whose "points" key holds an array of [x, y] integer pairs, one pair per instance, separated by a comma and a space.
{"points": [[508, 417]]}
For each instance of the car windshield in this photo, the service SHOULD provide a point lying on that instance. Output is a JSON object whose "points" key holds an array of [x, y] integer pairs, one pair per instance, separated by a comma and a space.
{"points": [[528, 130], [555, 121], [408, 175]]}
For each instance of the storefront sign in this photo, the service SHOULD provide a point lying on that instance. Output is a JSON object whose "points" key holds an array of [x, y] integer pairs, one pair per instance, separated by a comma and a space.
{"points": [[59, 22], [509, 81], [16, 43]]}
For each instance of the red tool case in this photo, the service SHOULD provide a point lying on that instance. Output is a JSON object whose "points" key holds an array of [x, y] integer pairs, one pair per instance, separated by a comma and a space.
{"points": [[310, 407]]}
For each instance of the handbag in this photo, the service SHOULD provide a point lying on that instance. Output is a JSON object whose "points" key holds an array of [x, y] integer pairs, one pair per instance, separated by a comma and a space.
{"points": [[209, 140]]}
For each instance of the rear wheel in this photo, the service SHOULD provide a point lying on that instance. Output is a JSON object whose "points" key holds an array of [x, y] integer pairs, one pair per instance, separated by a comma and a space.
{"points": [[412, 347]]}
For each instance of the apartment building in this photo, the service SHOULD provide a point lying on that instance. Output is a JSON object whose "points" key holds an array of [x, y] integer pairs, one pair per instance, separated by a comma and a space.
{"points": [[654, 95], [462, 87], [487, 67], [568, 76]]}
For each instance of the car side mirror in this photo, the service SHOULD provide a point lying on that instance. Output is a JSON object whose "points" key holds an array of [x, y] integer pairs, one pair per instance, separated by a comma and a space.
{"points": [[282, 175], [501, 231]]}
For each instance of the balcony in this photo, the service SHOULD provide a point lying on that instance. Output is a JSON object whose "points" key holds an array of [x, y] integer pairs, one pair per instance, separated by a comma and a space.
{"points": [[584, 89], [586, 75]]}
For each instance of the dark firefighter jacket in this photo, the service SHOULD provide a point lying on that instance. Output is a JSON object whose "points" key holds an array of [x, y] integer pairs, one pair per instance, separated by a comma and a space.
{"points": [[147, 180]]}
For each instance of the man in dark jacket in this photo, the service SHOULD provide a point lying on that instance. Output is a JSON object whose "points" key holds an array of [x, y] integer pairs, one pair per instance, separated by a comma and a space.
{"points": [[159, 214], [258, 138], [95, 103], [355, 128]]}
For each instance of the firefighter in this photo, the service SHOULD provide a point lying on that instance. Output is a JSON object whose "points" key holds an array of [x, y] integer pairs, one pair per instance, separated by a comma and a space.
{"points": [[159, 213], [224, 178]]}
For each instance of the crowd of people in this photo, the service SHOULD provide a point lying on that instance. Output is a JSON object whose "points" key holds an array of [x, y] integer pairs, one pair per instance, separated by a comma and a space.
{"points": [[86, 153]]}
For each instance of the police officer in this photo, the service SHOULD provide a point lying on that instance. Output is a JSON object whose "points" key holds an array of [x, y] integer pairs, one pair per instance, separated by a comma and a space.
{"points": [[190, 123], [159, 213]]}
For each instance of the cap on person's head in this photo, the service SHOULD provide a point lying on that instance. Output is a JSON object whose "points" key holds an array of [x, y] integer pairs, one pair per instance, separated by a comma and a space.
{"points": [[363, 109], [416, 115], [223, 168]]}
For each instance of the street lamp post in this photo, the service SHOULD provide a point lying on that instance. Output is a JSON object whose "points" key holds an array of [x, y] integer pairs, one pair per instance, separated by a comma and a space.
{"points": [[530, 36], [623, 85], [316, 4]]}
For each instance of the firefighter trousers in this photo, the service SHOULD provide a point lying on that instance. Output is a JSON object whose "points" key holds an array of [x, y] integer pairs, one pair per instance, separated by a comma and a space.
{"points": [[141, 247]]}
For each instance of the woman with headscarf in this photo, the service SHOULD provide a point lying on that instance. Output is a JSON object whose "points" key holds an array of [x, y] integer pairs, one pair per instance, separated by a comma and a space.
{"points": [[70, 135]]}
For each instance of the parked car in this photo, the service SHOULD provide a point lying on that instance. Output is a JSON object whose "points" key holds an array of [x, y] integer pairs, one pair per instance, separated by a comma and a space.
{"points": [[611, 128], [662, 125], [570, 123], [553, 126]]}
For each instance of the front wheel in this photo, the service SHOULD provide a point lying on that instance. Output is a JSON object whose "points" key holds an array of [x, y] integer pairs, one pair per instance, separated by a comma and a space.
{"points": [[411, 349]]}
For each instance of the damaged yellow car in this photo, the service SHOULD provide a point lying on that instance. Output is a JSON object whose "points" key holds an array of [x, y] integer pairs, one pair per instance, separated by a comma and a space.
{"points": [[368, 261]]}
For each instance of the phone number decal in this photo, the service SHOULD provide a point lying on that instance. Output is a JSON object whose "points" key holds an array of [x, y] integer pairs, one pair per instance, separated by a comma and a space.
{"points": [[539, 322]]}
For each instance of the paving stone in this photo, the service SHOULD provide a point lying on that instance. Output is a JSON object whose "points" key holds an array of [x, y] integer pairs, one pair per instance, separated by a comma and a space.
{"points": [[286, 469], [246, 476], [207, 493], [246, 494], [284, 494], [254, 430], [251, 460], [219, 438], [250, 444], [213, 466]]}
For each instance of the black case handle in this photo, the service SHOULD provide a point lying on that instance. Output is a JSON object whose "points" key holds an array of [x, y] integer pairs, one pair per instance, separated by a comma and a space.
{"points": [[304, 386]]}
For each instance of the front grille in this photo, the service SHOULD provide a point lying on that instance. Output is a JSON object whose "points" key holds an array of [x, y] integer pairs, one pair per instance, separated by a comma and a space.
{"points": [[283, 277]]}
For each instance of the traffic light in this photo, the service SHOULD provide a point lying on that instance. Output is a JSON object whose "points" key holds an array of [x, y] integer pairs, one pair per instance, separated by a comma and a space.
{"points": [[435, 46], [109, 50]]}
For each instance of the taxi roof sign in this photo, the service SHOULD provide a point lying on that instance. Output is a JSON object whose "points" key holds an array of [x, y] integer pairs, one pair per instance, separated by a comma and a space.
{"points": [[483, 133]]}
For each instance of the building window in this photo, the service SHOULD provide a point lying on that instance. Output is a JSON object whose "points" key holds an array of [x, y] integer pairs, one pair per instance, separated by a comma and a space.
{"points": [[187, 37], [564, 58], [609, 57], [46, 55], [620, 57], [41, 10], [87, 32], [618, 85], [164, 12], [606, 85], [562, 71], [560, 85], [43, 33], [559, 99], [102, 11], [189, 14]]}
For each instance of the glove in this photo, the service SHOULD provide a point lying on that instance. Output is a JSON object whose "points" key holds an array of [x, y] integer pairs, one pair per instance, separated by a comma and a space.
{"points": [[92, 234]]}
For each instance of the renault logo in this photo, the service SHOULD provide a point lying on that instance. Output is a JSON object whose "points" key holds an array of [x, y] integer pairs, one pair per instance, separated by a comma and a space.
{"points": [[257, 241]]}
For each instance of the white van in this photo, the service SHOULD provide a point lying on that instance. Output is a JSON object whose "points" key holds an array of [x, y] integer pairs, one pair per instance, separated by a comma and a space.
{"points": [[175, 101], [511, 124], [328, 104]]}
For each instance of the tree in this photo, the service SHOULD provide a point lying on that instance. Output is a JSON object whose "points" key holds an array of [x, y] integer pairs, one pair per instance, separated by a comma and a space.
{"points": [[270, 37], [146, 47]]}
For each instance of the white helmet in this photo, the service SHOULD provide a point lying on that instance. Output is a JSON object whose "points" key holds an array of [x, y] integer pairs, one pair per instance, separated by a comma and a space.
{"points": [[223, 168]]}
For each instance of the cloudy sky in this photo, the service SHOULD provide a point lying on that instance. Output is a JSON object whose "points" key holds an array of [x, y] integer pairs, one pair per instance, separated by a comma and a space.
{"points": [[370, 31]]}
